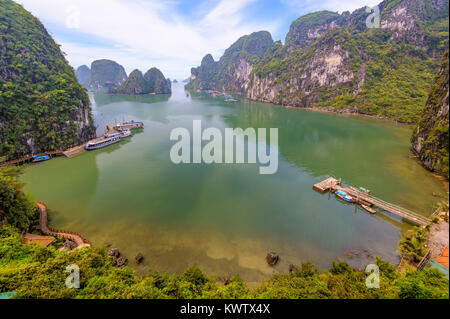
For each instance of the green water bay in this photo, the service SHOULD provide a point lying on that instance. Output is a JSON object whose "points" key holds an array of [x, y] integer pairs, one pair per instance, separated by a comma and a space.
{"points": [[225, 218]]}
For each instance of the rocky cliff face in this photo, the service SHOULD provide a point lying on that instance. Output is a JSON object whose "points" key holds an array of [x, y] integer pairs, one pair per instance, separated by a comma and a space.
{"points": [[299, 79], [83, 73], [334, 61], [232, 71], [106, 74], [306, 29], [42, 105], [430, 140], [153, 82]]}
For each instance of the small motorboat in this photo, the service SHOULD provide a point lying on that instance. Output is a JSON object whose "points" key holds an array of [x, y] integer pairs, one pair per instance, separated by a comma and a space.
{"points": [[37, 159], [369, 209], [343, 195], [365, 190]]}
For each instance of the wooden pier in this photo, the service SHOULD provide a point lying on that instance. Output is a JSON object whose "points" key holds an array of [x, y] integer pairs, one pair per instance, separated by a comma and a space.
{"points": [[332, 184], [79, 149], [75, 151], [79, 240], [28, 158]]}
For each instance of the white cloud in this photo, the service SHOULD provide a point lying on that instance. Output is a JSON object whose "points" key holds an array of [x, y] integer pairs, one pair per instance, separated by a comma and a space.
{"points": [[145, 33], [331, 5]]}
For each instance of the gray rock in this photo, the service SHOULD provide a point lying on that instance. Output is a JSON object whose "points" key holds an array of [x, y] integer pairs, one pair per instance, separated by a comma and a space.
{"points": [[121, 262], [139, 258], [272, 258], [114, 252]]}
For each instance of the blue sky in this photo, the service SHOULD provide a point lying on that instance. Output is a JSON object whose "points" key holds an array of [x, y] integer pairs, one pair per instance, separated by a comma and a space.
{"points": [[172, 35]]}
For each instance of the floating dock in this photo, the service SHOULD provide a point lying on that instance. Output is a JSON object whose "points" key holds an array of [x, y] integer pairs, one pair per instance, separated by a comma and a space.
{"points": [[332, 184]]}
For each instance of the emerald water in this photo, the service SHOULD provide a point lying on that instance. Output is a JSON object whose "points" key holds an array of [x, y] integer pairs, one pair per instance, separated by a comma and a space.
{"points": [[226, 218]]}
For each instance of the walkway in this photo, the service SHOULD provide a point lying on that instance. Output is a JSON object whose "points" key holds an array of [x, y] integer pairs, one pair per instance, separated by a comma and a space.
{"points": [[46, 229]]}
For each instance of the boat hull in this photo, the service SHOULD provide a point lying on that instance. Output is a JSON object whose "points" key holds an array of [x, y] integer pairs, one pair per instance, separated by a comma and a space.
{"points": [[103, 144], [40, 160]]}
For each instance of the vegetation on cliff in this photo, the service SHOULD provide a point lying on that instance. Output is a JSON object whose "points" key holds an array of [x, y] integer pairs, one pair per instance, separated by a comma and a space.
{"points": [[430, 139], [16, 208], [42, 105]]}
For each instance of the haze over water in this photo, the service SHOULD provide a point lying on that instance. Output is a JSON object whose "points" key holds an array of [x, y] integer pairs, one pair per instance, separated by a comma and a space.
{"points": [[225, 218]]}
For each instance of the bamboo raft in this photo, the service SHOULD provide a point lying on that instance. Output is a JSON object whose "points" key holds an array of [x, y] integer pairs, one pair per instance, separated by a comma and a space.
{"points": [[332, 184]]}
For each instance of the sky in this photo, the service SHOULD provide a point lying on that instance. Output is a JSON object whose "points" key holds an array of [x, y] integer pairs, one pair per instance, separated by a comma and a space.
{"points": [[172, 35]]}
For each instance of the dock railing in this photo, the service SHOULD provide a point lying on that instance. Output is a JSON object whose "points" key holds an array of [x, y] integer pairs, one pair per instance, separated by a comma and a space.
{"points": [[372, 200], [395, 206]]}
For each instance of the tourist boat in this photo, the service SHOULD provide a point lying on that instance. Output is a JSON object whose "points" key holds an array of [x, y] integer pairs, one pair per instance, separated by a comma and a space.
{"points": [[129, 125], [369, 209], [103, 142], [37, 159], [230, 100], [343, 195]]}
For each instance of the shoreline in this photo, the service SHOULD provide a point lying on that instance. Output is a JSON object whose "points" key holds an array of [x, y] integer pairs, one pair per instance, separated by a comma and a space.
{"points": [[334, 111]]}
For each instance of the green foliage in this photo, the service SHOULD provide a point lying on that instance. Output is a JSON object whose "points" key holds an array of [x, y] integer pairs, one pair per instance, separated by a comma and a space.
{"points": [[41, 101], [16, 208], [412, 244], [426, 284], [36, 272], [432, 130]]}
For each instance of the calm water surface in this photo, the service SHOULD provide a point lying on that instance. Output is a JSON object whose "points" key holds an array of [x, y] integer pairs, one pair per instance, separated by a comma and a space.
{"points": [[226, 218]]}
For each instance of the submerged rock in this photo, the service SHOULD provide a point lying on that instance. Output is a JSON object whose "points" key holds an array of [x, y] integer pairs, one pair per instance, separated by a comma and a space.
{"points": [[139, 258], [272, 258], [121, 262], [114, 252]]}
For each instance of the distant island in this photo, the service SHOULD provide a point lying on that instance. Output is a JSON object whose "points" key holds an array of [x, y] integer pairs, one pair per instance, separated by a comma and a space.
{"points": [[102, 74], [152, 82]]}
